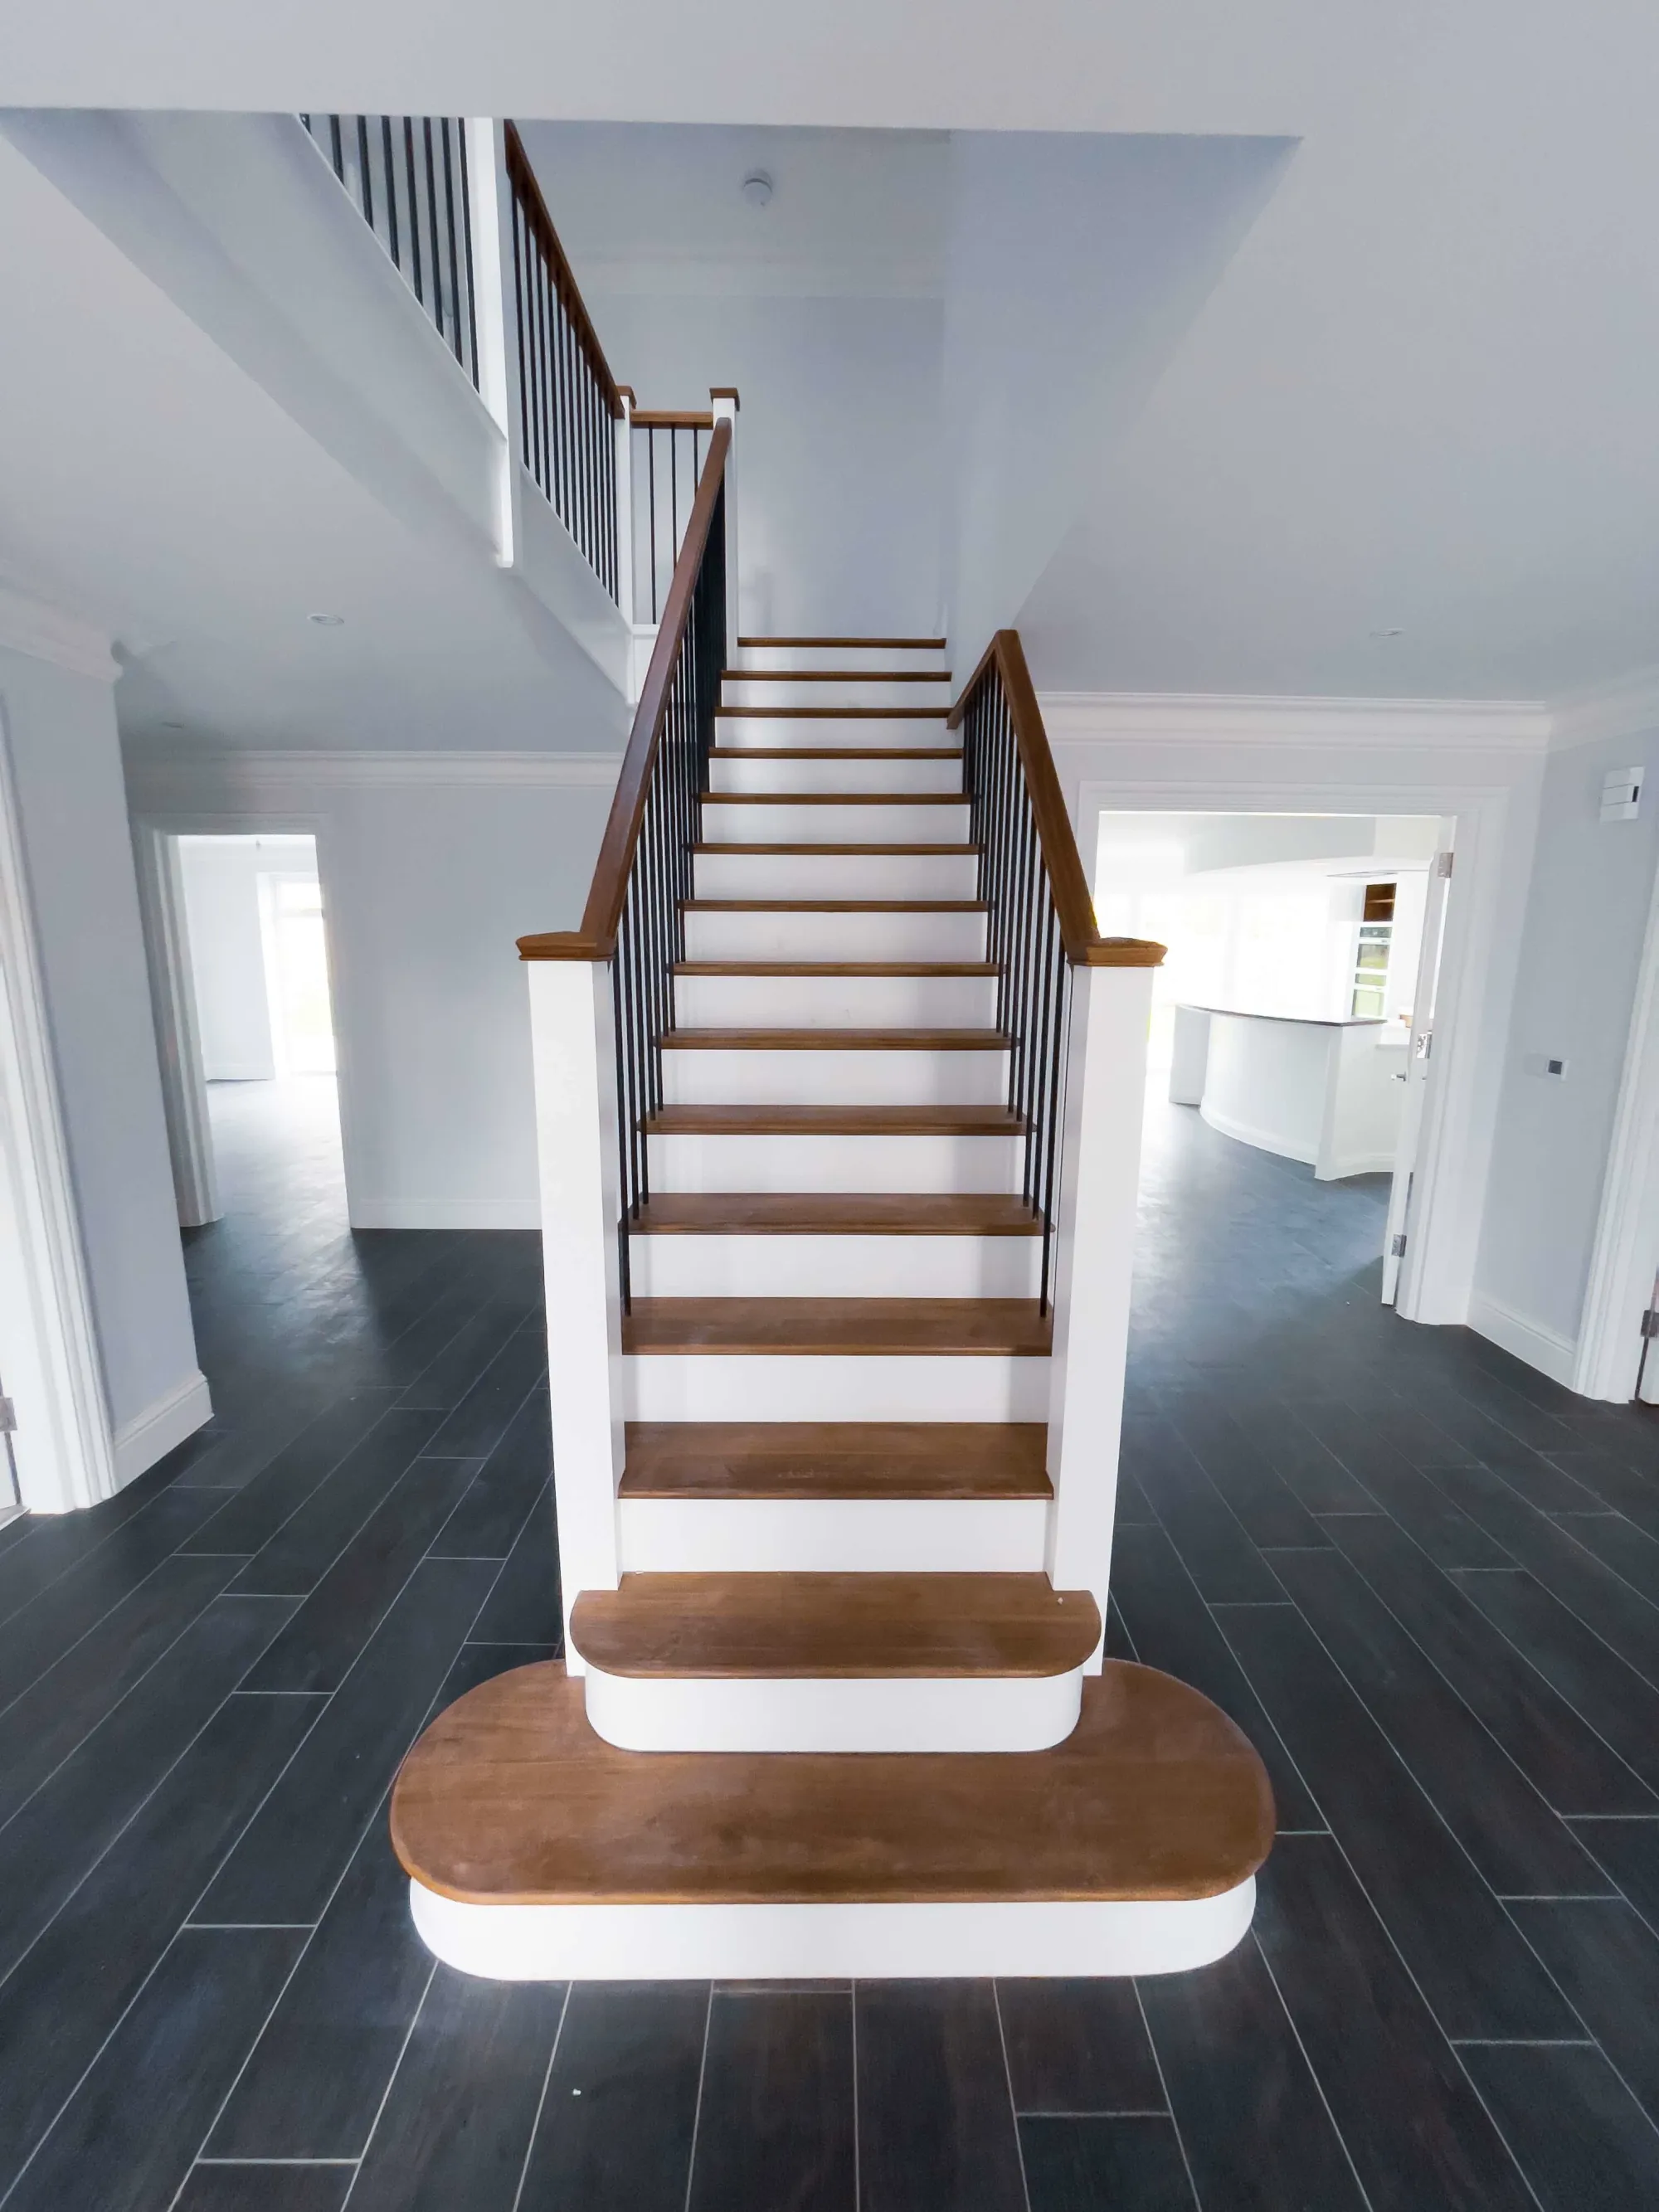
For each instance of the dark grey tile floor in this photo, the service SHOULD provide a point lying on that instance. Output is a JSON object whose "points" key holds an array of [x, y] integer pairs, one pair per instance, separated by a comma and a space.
{"points": [[1425, 1581]]}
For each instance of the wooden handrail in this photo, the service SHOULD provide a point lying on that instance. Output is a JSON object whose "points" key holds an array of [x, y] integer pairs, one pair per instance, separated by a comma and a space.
{"points": [[1084, 946], [669, 418], [526, 189], [596, 939]]}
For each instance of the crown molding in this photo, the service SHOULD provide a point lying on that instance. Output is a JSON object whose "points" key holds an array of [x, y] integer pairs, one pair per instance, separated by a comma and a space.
{"points": [[226, 769], [1506, 726], [45, 633], [1628, 709]]}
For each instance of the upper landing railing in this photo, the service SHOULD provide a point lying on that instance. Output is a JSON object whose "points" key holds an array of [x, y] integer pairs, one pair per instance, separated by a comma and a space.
{"points": [[426, 185]]}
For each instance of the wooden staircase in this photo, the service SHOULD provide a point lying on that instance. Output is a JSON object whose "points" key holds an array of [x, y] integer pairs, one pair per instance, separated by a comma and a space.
{"points": [[829, 1703]]}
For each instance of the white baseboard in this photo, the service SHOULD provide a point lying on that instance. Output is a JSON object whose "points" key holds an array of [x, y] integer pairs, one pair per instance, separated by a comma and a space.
{"points": [[1551, 1353], [237, 1072], [446, 1213], [1361, 1163], [154, 1433], [1245, 1133]]}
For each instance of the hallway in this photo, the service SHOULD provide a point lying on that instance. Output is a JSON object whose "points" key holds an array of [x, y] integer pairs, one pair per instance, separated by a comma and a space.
{"points": [[1423, 1579]]}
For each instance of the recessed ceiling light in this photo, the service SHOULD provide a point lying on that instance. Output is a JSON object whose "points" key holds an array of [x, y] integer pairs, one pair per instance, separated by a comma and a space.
{"points": [[758, 188], [327, 622], [1375, 633]]}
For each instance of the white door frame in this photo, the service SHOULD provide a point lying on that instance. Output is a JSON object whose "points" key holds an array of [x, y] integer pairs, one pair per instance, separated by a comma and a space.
{"points": [[1625, 1252], [64, 1448], [1419, 1065], [178, 1036], [1437, 1275]]}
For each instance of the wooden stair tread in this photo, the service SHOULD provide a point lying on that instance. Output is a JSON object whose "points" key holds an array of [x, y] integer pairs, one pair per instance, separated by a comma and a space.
{"points": [[836, 752], [836, 676], [861, 1327], [835, 799], [833, 1213], [836, 714], [846, 1628], [826, 1040], [836, 1459], [826, 850], [832, 906], [834, 1121], [885, 644], [510, 1798], [836, 968]]}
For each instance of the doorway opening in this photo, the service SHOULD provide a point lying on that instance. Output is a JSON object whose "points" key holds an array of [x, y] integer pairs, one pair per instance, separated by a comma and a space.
{"points": [[1295, 1010], [259, 983]]}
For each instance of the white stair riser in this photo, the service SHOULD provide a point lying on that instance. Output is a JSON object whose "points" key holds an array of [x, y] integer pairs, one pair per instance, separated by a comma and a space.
{"points": [[781, 659], [790, 691], [823, 934], [833, 772], [814, 1002], [695, 1078], [834, 1387], [837, 875], [789, 1161], [769, 731], [775, 822], [901, 1714], [832, 1535], [677, 1266], [972, 1940]]}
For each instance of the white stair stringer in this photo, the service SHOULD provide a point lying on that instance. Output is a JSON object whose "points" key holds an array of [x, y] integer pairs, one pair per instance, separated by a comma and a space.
{"points": [[901, 1713], [768, 1162], [782, 932], [736, 1386], [832, 1535], [687, 1266], [801, 1075], [815, 1942]]}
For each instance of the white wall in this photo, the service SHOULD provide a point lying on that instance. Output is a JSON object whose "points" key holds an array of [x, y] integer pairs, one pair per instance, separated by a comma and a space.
{"points": [[66, 770], [227, 950], [431, 867], [838, 446], [1580, 946]]}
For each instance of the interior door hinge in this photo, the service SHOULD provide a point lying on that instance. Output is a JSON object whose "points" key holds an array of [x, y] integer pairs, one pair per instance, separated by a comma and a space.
{"points": [[1442, 863], [1397, 1249], [8, 1418], [1651, 1321]]}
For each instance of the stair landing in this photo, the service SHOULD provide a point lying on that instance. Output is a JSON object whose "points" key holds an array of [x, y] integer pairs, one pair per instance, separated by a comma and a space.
{"points": [[537, 1850]]}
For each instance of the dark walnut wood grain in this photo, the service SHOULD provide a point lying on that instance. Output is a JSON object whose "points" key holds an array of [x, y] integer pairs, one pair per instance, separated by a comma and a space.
{"points": [[828, 1040], [835, 1213], [836, 1459], [509, 1798], [834, 1121], [869, 1328], [844, 1627]]}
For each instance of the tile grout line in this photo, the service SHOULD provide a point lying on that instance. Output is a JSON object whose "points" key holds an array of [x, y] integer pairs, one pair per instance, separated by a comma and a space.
{"points": [[858, 2156], [541, 2101], [1163, 2083], [1313, 2071], [1008, 2082], [392, 2078], [697, 2114]]}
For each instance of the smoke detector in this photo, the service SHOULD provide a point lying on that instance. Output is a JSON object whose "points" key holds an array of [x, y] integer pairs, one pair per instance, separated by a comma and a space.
{"points": [[758, 188]]}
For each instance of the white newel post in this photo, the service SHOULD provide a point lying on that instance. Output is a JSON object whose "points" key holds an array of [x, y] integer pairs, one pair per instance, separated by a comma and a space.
{"points": [[1094, 1254], [724, 403], [573, 1043], [625, 522], [496, 313]]}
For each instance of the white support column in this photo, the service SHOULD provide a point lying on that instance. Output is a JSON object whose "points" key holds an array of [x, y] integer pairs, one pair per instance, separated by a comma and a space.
{"points": [[495, 307], [724, 403], [625, 517], [1094, 1254], [573, 1045]]}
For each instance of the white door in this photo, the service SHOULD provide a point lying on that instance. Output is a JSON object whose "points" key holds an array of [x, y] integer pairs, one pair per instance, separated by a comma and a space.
{"points": [[1419, 1060]]}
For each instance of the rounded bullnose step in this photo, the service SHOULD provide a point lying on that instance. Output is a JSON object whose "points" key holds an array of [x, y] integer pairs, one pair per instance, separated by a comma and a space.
{"points": [[538, 1850], [855, 1627], [846, 1662]]}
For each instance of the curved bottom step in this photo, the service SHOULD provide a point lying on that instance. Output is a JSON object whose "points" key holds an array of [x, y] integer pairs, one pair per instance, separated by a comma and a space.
{"points": [[537, 1850], [829, 1942]]}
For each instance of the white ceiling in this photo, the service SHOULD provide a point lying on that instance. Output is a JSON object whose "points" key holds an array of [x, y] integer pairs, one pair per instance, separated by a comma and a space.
{"points": [[1420, 397]]}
